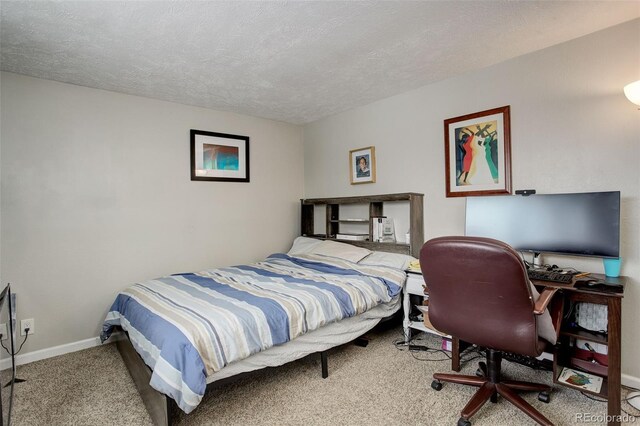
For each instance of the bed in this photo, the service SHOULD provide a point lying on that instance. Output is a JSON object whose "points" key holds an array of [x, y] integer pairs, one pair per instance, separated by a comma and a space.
{"points": [[186, 332]]}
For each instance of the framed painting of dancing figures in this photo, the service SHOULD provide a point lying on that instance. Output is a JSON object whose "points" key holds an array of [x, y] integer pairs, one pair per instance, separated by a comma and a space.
{"points": [[478, 153]]}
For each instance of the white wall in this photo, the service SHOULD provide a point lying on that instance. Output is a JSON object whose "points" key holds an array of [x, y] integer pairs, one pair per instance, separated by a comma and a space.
{"points": [[96, 194], [572, 130]]}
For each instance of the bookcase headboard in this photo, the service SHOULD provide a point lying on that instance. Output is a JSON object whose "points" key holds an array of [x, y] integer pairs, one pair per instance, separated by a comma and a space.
{"points": [[376, 209]]}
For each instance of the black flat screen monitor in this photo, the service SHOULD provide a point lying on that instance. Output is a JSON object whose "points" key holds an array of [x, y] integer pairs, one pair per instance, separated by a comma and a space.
{"points": [[581, 224]]}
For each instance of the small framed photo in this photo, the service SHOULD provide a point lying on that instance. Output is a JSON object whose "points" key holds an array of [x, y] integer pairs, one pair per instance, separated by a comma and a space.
{"points": [[362, 165], [219, 156], [478, 153]]}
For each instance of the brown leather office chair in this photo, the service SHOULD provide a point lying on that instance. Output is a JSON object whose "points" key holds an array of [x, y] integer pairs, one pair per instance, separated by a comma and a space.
{"points": [[479, 292]]}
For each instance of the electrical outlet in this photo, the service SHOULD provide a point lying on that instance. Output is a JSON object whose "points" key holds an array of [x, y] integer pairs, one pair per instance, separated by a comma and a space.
{"points": [[4, 330], [27, 323]]}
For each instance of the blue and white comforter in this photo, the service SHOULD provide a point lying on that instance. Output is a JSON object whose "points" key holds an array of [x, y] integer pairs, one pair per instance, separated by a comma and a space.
{"points": [[188, 326]]}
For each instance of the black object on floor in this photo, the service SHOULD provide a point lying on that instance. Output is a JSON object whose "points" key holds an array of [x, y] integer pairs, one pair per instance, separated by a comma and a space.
{"points": [[361, 341], [418, 348], [16, 380], [527, 361]]}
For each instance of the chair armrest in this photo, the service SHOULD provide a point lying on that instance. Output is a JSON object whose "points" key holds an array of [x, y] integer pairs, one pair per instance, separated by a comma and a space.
{"points": [[543, 300]]}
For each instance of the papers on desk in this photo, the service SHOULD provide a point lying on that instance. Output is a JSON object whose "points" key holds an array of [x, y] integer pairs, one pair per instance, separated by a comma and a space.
{"points": [[414, 266], [580, 380]]}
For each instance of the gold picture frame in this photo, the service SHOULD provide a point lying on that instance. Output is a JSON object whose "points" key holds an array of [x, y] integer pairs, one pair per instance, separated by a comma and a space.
{"points": [[362, 165]]}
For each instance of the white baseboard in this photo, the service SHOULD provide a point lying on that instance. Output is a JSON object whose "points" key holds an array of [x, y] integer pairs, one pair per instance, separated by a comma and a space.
{"points": [[627, 380], [56, 351], [631, 381]]}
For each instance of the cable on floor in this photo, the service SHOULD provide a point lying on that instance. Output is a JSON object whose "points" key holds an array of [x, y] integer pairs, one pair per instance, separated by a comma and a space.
{"points": [[622, 409]]}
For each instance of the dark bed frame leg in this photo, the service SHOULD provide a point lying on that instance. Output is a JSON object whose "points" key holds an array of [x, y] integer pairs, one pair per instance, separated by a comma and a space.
{"points": [[325, 367], [173, 411], [361, 341]]}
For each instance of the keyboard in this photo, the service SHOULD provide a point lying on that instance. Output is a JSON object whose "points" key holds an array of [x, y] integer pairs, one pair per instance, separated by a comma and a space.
{"points": [[549, 276]]}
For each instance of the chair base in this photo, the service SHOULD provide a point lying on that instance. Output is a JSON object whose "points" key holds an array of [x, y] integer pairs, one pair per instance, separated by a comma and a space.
{"points": [[490, 386]]}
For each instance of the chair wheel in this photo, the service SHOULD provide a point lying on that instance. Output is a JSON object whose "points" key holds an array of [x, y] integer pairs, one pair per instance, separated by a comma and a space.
{"points": [[463, 422], [544, 397], [436, 385], [479, 372]]}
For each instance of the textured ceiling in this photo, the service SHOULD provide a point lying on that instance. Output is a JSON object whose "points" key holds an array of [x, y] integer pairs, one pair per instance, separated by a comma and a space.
{"points": [[290, 61]]}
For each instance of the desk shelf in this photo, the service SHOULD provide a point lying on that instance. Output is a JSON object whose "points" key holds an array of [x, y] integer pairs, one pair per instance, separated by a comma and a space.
{"points": [[604, 389], [419, 325], [585, 335], [563, 359], [415, 286], [565, 354]]}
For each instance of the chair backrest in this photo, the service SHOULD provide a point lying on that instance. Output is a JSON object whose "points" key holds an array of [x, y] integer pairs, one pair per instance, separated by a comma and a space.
{"points": [[479, 292]]}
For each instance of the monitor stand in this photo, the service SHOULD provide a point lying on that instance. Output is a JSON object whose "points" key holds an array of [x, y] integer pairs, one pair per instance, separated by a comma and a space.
{"points": [[537, 259]]}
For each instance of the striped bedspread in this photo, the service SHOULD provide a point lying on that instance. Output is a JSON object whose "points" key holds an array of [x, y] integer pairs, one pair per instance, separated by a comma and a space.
{"points": [[188, 326]]}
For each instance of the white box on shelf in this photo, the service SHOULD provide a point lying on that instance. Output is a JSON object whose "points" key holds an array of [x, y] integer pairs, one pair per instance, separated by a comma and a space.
{"points": [[352, 237], [377, 229], [388, 230]]}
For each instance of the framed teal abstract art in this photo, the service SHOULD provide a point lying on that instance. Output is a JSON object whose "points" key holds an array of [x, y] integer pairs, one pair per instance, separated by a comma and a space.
{"points": [[219, 156], [478, 153]]}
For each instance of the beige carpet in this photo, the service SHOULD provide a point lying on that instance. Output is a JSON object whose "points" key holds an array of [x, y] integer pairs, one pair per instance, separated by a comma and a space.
{"points": [[376, 385]]}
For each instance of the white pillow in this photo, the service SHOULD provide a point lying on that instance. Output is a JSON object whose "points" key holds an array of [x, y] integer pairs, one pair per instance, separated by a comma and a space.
{"points": [[303, 245], [546, 330], [340, 250], [392, 260]]}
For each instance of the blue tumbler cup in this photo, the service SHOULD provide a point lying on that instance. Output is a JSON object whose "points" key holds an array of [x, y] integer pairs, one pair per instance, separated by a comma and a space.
{"points": [[612, 267]]}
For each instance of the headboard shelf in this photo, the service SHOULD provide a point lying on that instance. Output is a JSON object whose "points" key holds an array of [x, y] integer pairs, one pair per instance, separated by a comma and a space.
{"points": [[361, 199], [376, 208]]}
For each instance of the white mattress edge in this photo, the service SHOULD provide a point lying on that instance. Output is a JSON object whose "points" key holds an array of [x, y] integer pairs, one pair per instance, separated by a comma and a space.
{"points": [[324, 338]]}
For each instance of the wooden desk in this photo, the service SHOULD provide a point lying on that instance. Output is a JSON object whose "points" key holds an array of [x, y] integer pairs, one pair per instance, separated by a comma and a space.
{"points": [[611, 387]]}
